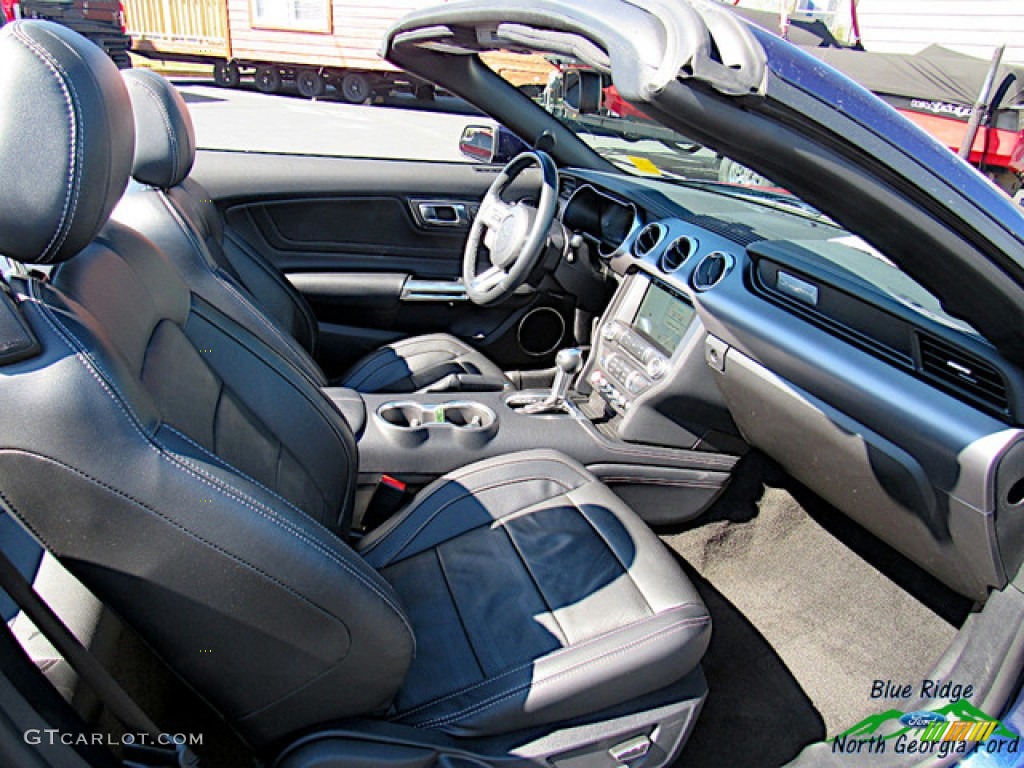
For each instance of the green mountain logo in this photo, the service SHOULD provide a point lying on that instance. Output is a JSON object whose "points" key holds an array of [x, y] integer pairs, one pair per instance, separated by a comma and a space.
{"points": [[957, 710], [870, 725]]}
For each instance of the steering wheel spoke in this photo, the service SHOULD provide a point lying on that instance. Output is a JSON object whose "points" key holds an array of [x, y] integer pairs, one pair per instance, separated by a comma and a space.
{"points": [[515, 235], [490, 279]]}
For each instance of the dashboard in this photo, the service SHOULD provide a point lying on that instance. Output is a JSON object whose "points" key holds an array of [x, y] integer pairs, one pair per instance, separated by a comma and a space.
{"points": [[777, 326]]}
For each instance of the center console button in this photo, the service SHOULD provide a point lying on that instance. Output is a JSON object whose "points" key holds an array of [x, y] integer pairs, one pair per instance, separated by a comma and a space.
{"points": [[611, 331], [656, 366], [636, 383]]}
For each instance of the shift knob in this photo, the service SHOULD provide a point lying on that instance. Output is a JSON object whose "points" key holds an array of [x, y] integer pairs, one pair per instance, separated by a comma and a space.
{"points": [[569, 360]]}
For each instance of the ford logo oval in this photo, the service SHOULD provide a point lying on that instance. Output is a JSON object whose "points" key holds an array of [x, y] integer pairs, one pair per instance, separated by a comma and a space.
{"points": [[921, 718]]}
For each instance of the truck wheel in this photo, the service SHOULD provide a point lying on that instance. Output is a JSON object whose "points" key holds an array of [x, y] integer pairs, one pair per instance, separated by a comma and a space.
{"points": [[310, 83], [226, 75], [267, 79], [355, 88]]}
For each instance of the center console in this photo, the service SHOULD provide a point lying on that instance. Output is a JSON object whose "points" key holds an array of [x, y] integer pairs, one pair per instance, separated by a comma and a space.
{"points": [[416, 438], [641, 418]]}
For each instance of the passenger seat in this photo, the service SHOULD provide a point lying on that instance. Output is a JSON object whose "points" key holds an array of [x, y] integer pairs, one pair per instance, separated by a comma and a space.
{"points": [[177, 214]]}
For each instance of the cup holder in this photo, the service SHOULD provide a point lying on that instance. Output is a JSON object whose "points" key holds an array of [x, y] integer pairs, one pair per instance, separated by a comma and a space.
{"points": [[409, 423]]}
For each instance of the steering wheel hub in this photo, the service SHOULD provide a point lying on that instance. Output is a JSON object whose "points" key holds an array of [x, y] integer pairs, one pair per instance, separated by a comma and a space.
{"points": [[510, 238]]}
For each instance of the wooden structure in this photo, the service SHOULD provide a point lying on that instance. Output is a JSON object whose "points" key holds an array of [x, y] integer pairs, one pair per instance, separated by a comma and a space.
{"points": [[315, 43]]}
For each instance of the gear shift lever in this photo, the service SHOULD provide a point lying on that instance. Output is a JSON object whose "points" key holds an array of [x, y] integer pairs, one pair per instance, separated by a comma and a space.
{"points": [[569, 362]]}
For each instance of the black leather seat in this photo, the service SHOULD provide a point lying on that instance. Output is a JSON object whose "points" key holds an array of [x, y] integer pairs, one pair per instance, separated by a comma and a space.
{"points": [[202, 487], [176, 213], [535, 596]]}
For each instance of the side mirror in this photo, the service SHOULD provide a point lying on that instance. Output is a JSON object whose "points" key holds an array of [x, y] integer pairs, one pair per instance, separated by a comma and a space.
{"points": [[490, 144], [582, 91]]}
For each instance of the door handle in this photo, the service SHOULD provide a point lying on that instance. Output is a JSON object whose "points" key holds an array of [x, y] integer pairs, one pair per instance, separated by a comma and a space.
{"points": [[441, 213]]}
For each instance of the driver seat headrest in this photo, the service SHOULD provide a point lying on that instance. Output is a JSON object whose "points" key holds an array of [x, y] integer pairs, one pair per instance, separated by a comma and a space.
{"points": [[165, 141], [66, 141]]}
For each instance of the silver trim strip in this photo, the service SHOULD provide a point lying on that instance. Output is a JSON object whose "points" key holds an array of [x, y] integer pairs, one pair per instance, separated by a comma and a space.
{"points": [[433, 290]]}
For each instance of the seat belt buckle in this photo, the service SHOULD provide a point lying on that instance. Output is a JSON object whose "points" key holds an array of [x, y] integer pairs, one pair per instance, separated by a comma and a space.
{"points": [[389, 495]]}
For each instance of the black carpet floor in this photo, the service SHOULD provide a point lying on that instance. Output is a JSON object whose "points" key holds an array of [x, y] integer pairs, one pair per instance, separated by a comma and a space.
{"points": [[808, 610]]}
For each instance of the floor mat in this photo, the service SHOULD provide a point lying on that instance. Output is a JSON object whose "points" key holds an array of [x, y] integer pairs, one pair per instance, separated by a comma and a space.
{"points": [[808, 611]]}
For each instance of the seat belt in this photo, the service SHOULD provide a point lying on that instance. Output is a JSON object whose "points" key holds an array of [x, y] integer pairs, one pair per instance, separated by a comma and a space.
{"points": [[161, 752]]}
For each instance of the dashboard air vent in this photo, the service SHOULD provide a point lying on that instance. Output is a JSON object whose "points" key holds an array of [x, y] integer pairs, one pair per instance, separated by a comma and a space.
{"points": [[711, 270], [568, 186], [948, 364], [648, 239], [677, 252]]}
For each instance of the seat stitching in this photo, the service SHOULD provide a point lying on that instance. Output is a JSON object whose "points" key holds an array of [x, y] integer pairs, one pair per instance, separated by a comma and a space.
{"points": [[328, 413], [458, 611], [184, 529], [25, 522], [457, 499], [294, 297], [608, 546], [229, 466], [266, 512], [533, 578], [74, 149], [556, 654], [479, 707], [462, 474], [369, 358], [627, 480], [259, 351], [289, 341], [179, 219]]}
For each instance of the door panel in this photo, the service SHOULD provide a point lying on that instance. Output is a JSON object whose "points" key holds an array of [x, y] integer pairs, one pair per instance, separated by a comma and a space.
{"points": [[351, 233], [355, 233]]}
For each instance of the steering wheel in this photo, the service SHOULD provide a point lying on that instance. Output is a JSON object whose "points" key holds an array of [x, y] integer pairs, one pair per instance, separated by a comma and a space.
{"points": [[514, 233]]}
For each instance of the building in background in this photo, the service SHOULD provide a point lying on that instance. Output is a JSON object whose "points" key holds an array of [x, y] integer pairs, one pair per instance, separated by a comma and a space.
{"points": [[910, 26]]}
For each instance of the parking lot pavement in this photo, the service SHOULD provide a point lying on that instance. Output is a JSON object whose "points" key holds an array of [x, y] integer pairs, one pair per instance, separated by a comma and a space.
{"points": [[244, 119]]}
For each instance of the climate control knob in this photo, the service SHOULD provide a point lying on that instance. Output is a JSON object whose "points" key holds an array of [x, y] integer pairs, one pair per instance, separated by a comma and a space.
{"points": [[656, 366]]}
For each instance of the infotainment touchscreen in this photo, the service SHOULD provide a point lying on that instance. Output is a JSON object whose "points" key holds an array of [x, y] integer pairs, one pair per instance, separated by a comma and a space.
{"points": [[663, 317]]}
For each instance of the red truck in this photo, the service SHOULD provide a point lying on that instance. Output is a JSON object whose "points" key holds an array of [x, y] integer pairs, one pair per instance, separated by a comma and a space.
{"points": [[101, 21]]}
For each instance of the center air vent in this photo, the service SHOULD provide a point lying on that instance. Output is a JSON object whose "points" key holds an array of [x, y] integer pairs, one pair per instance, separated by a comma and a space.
{"points": [[648, 239], [952, 366], [678, 251], [711, 270]]}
